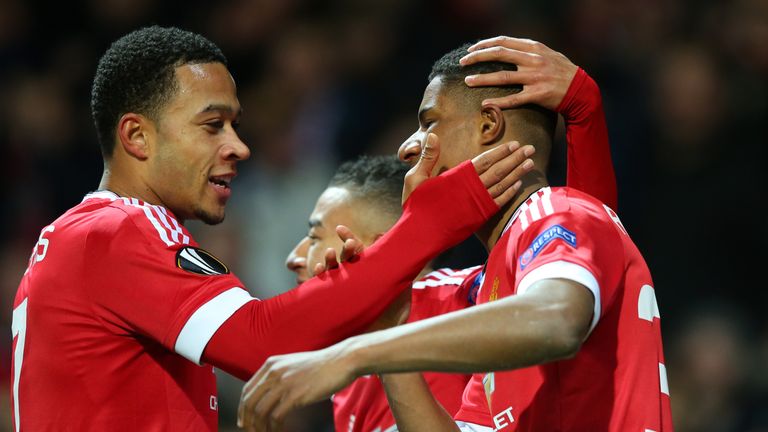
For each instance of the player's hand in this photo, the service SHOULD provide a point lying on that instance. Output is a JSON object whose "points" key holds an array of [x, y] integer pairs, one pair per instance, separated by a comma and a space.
{"points": [[500, 169], [544, 73], [430, 150], [350, 250], [287, 382]]}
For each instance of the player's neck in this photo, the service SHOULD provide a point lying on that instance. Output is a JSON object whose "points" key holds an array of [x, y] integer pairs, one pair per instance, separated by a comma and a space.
{"points": [[490, 233], [113, 181]]}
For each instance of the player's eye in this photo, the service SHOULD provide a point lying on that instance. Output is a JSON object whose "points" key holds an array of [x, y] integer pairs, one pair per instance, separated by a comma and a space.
{"points": [[312, 238], [214, 126]]}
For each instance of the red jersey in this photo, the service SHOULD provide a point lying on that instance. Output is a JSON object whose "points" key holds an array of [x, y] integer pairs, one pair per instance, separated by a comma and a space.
{"points": [[617, 381], [100, 317], [118, 307], [363, 406]]}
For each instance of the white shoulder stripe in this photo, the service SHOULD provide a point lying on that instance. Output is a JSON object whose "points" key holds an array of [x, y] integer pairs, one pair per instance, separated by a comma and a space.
{"points": [[565, 270], [176, 226], [437, 282], [167, 227], [164, 220], [155, 223], [201, 326], [522, 217], [535, 214], [546, 201]]}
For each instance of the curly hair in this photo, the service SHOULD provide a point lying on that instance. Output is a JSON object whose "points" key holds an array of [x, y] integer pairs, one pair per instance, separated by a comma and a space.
{"points": [[136, 74]]}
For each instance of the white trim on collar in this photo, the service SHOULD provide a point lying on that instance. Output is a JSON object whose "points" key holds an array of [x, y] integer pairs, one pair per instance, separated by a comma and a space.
{"points": [[101, 194]]}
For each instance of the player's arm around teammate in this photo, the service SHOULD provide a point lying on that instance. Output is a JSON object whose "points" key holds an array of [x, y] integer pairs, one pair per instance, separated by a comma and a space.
{"points": [[550, 80]]}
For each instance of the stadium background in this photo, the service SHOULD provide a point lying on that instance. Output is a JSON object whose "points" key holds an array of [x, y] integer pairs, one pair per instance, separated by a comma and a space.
{"points": [[686, 95]]}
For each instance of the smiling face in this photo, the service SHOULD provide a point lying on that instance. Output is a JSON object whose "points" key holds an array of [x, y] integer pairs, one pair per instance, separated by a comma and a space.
{"points": [[195, 146], [455, 124]]}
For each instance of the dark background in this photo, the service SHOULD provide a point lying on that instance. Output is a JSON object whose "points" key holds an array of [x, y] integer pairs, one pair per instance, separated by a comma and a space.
{"points": [[685, 92]]}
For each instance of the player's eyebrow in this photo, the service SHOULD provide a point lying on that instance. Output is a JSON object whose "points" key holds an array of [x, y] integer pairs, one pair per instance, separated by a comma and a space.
{"points": [[223, 108]]}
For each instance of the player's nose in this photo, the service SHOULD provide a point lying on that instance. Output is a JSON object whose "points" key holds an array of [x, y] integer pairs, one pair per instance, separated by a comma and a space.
{"points": [[410, 149], [297, 260], [236, 149]]}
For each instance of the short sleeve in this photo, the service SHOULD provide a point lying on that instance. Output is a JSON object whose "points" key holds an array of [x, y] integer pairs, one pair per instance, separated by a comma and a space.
{"points": [[474, 405], [579, 244], [150, 285]]}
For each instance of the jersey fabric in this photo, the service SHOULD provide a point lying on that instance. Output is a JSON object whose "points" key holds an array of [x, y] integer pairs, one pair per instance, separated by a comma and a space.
{"points": [[118, 307], [590, 168], [111, 322], [617, 381], [362, 406]]}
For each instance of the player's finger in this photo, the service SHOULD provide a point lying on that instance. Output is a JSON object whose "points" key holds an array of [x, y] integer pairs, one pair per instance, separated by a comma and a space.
{"points": [[352, 247], [345, 233], [245, 402], [319, 268], [507, 171], [508, 194], [499, 78], [331, 261], [508, 187], [484, 161], [249, 398], [520, 44], [423, 168], [511, 101], [262, 412], [501, 54], [281, 410]]}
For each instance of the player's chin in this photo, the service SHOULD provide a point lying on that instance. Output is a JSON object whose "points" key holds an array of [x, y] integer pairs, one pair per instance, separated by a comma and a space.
{"points": [[213, 216]]}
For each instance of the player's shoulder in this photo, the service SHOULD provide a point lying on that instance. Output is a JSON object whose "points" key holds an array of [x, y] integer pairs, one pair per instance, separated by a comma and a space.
{"points": [[444, 277], [442, 291], [443, 284], [560, 201], [122, 218]]}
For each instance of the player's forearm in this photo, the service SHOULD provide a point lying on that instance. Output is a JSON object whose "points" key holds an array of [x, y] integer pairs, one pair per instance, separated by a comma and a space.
{"points": [[590, 168], [509, 333], [414, 407], [344, 301]]}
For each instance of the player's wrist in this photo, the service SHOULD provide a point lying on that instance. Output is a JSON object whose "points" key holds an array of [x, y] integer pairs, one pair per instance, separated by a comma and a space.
{"points": [[354, 355], [582, 98]]}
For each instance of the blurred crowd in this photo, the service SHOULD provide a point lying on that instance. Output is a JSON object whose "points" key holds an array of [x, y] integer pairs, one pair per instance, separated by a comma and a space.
{"points": [[685, 88]]}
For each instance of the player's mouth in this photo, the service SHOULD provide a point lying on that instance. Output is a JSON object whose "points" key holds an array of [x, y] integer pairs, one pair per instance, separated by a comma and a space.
{"points": [[221, 184]]}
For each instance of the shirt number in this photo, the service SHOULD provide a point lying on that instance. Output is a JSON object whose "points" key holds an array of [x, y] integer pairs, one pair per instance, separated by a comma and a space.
{"points": [[18, 328]]}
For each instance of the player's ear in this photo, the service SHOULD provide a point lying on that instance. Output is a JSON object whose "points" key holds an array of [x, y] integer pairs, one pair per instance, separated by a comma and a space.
{"points": [[133, 133], [492, 125]]}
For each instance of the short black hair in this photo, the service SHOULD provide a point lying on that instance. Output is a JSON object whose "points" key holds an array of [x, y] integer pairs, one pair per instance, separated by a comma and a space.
{"points": [[450, 71], [136, 74], [376, 179], [534, 124]]}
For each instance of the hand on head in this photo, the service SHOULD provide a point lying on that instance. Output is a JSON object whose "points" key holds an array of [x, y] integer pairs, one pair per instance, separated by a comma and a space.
{"points": [[544, 73]]}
